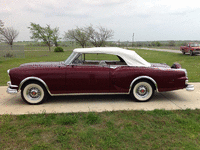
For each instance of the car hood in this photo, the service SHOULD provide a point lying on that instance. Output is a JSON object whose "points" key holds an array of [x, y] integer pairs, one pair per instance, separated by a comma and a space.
{"points": [[157, 65], [42, 64]]}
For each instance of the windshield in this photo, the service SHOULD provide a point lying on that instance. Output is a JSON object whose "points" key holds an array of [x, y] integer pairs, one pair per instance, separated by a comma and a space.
{"points": [[70, 58], [195, 45]]}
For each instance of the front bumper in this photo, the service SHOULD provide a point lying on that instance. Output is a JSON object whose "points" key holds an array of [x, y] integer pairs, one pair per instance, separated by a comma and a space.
{"points": [[190, 87], [10, 89], [196, 51]]}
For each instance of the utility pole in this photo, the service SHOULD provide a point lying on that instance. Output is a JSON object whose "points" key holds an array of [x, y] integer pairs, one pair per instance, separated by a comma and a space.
{"points": [[132, 39]]}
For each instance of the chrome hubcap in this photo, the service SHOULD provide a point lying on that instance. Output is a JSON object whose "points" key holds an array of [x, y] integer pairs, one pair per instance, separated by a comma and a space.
{"points": [[34, 93], [142, 90]]}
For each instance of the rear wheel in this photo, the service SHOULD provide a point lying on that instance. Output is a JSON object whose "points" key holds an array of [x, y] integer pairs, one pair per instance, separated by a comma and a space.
{"points": [[34, 93], [142, 91]]}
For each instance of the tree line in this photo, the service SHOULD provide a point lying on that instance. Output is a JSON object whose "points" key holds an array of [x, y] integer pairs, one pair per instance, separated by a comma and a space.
{"points": [[50, 36], [82, 35]]}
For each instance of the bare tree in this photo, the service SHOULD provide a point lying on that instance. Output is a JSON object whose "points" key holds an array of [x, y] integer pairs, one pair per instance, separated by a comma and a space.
{"points": [[79, 35], [98, 38], [8, 35]]}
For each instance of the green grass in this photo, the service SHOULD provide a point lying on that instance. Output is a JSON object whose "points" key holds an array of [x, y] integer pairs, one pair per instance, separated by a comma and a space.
{"points": [[158, 129], [30, 56], [192, 64]]}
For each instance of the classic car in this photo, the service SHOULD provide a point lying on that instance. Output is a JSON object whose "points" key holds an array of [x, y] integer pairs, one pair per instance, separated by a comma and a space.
{"points": [[98, 70], [192, 48]]}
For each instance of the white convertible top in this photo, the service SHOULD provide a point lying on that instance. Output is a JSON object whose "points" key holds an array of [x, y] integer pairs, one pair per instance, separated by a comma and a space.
{"points": [[130, 57]]}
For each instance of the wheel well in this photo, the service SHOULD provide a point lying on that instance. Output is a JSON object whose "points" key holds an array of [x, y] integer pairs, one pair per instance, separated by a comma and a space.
{"points": [[31, 81], [147, 80]]}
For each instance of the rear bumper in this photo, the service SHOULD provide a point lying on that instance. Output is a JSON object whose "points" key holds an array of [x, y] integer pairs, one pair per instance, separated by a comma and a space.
{"points": [[190, 87], [10, 89]]}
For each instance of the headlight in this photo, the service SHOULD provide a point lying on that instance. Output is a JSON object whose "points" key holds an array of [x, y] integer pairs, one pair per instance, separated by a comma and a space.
{"points": [[186, 82], [8, 71], [186, 73]]}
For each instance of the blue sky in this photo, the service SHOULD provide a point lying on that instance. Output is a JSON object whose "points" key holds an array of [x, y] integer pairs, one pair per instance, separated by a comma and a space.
{"points": [[149, 20]]}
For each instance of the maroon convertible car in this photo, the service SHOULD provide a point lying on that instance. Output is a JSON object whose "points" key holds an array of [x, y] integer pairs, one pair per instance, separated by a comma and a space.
{"points": [[96, 71]]}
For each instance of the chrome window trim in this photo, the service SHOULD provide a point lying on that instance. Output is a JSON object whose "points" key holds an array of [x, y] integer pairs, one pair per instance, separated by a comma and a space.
{"points": [[69, 62], [73, 56], [143, 77]]}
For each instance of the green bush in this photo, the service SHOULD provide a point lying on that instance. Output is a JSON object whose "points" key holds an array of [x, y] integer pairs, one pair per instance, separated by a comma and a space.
{"points": [[58, 49]]}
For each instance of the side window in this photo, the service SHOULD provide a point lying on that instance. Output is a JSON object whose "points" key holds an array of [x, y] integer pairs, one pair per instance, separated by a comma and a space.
{"points": [[78, 60], [102, 59], [98, 59], [188, 45]]}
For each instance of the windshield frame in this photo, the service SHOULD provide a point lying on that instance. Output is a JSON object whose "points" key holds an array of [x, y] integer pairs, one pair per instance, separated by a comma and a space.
{"points": [[69, 60]]}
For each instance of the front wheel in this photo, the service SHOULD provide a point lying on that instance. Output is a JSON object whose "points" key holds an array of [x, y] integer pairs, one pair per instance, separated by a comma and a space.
{"points": [[183, 52], [142, 91], [34, 93]]}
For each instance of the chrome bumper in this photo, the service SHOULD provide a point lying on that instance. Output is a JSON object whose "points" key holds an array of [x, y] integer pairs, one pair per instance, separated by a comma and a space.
{"points": [[10, 90], [190, 87]]}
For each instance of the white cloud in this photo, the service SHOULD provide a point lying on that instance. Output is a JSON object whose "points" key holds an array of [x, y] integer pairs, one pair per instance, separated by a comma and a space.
{"points": [[148, 18]]}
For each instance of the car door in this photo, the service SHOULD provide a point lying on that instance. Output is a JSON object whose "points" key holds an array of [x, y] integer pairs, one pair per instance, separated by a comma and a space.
{"points": [[188, 48], [87, 79]]}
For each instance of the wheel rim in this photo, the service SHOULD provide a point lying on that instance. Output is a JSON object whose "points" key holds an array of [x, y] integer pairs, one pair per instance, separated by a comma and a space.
{"points": [[33, 93], [142, 91]]}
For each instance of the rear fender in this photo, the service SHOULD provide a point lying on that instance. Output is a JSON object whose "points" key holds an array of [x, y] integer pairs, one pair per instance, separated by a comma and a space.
{"points": [[143, 77]]}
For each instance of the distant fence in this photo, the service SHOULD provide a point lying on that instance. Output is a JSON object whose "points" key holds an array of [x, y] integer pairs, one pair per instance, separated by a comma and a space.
{"points": [[7, 52]]}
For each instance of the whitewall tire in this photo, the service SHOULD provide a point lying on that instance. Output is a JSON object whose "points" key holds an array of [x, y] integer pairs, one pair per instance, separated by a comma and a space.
{"points": [[142, 91], [34, 93]]}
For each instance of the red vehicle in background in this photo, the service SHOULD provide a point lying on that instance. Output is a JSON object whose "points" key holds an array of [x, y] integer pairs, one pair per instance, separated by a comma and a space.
{"points": [[192, 48]]}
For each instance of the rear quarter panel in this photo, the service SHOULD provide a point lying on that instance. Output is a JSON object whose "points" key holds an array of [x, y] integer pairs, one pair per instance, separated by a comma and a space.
{"points": [[166, 79]]}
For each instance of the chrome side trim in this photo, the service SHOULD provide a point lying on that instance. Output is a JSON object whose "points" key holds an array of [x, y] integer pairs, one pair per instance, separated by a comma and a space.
{"points": [[87, 94], [143, 77], [34, 78]]}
